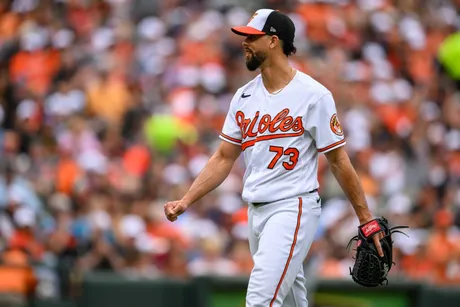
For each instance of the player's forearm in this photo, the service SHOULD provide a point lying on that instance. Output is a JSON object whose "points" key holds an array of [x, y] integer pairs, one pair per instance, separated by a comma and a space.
{"points": [[212, 175], [348, 179]]}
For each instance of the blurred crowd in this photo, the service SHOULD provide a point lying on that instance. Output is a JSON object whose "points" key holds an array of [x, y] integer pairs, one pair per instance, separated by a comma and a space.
{"points": [[110, 108]]}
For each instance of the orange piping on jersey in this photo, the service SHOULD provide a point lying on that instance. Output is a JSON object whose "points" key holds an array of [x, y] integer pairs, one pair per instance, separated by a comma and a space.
{"points": [[331, 146], [230, 138], [270, 137], [291, 252]]}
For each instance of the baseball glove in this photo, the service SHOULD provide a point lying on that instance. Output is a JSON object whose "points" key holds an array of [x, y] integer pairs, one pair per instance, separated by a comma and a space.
{"points": [[371, 270]]}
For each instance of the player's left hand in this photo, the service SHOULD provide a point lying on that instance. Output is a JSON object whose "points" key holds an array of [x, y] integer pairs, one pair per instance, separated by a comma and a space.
{"points": [[371, 266], [376, 238]]}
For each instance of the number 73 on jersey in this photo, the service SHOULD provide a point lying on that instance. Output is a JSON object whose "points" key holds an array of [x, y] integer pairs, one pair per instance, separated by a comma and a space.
{"points": [[292, 152]]}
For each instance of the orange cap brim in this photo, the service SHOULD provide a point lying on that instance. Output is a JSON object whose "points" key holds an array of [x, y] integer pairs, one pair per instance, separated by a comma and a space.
{"points": [[245, 31]]}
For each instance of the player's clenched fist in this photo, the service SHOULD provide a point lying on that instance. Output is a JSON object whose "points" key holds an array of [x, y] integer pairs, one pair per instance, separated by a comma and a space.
{"points": [[174, 208]]}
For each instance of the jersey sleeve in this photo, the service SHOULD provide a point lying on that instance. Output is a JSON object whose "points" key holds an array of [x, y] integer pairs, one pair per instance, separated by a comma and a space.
{"points": [[324, 126], [231, 131]]}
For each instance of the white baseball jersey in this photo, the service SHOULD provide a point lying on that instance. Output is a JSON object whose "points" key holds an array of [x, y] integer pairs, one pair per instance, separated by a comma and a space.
{"points": [[281, 135]]}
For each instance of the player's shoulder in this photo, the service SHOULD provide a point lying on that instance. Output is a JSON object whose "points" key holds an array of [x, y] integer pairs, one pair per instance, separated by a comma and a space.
{"points": [[311, 86]]}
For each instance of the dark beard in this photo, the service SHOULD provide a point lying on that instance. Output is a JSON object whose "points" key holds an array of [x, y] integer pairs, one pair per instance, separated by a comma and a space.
{"points": [[255, 60]]}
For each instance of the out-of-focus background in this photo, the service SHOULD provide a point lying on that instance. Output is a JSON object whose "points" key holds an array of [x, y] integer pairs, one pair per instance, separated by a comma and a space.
{"points": [[110, 108]]}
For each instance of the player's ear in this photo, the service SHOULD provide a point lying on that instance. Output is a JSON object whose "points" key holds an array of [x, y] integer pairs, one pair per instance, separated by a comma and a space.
{"points": [[274, 41]]}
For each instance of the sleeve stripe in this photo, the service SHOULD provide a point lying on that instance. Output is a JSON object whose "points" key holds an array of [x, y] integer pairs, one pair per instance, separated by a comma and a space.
{"points": [[332, 146], [229, 138]]}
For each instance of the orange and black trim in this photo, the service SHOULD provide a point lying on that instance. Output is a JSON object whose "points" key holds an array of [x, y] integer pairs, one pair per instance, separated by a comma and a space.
{"points": [[291, 252], [246, 30], [269, 137], [229, 138], [331, 146]]}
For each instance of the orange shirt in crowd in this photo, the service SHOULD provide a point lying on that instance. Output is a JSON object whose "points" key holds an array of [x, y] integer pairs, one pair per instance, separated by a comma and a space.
{"points": [[420, 65], [417, 267], [371, 186], [16, 274], [136, 160], [9, 23], [67, 172], [440, 250], [109, 100], [331, 268], [35, 68], [395, 117], [317, 16], [240, 216], [169, 232], [199, 53], [25, 240]]}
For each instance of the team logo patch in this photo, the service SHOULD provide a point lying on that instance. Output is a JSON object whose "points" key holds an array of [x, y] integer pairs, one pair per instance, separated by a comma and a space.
{"points": [[253, 16], [335, 125]]}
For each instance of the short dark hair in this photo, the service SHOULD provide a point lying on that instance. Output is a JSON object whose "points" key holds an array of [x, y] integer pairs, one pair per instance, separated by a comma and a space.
{"points": [[288, 48]]}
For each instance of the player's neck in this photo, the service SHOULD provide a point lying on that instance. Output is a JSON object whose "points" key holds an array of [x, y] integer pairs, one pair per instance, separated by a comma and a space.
{"points": [[277, 75]]}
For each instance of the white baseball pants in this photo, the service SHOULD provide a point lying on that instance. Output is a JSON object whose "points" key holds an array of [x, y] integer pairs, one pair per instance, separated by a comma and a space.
{"points": [[280, 236]]}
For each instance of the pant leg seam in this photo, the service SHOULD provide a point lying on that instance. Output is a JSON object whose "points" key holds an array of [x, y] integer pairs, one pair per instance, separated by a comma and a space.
{"points": [[294, 243]]}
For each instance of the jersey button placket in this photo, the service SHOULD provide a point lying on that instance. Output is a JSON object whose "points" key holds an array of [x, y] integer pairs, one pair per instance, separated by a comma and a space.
{"points": [[256, 150]]}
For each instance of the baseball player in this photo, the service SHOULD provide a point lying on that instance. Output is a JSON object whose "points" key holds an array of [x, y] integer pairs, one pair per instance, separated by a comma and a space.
{"points": [[280, 121]]}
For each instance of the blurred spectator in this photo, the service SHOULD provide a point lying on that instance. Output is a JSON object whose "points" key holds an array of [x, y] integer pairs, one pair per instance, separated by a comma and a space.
{"points": [[18, 282], [443, 246], [110, 108], [212, 262]]}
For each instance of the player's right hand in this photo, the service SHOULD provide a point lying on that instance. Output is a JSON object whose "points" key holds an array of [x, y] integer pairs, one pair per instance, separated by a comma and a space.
{"points": [[174, 208]]}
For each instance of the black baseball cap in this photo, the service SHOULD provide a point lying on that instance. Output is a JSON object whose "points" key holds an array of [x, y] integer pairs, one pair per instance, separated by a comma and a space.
{"points": [[268, 22]]}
